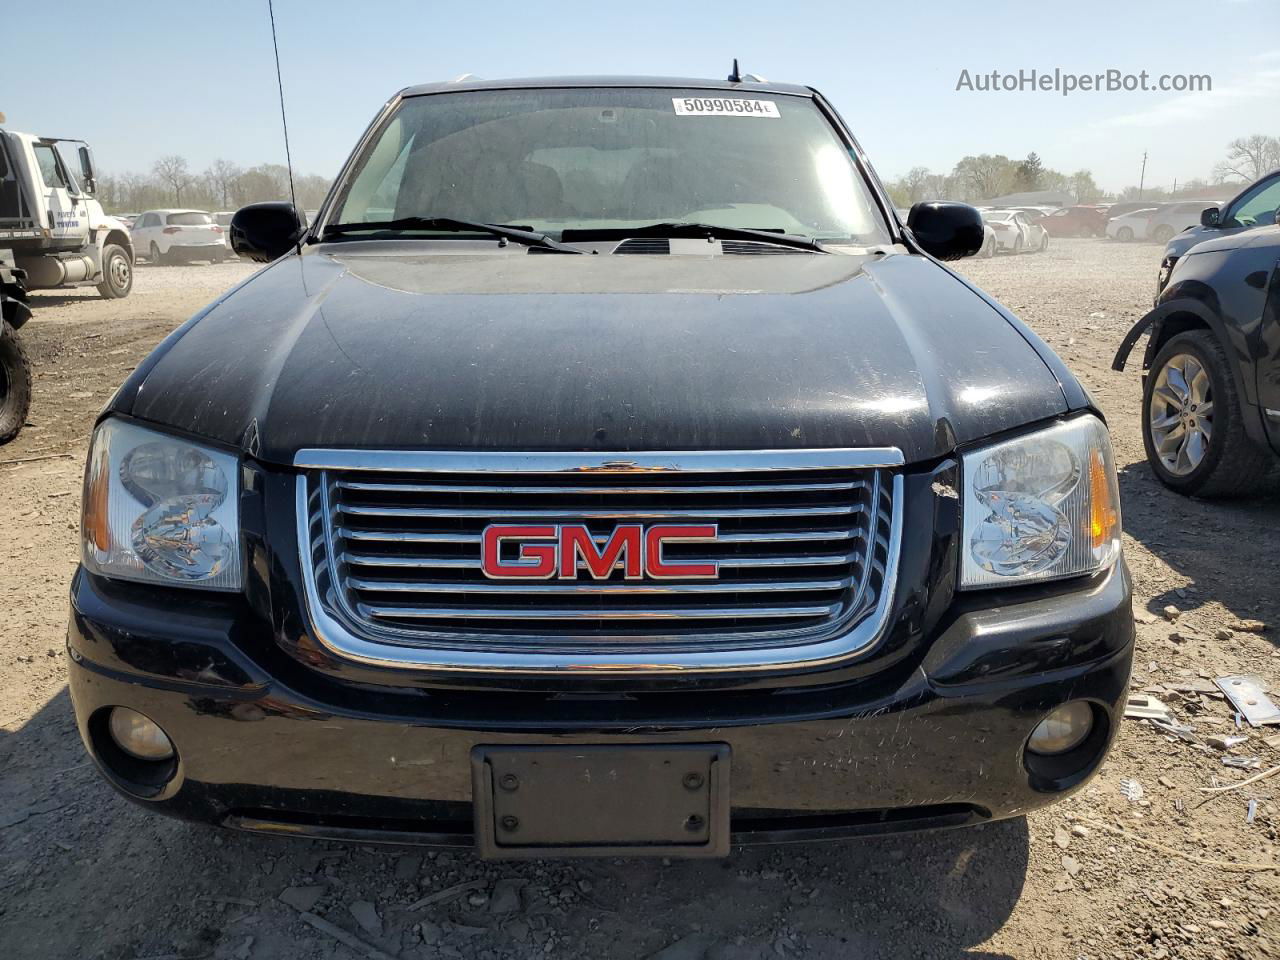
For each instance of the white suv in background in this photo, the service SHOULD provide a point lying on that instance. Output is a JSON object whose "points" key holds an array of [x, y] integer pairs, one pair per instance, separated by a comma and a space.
{"points": [[166, 236]]}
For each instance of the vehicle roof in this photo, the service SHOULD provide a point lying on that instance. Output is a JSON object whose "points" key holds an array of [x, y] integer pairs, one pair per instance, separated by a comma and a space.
{"points": [[533, 83], [174, 210]]}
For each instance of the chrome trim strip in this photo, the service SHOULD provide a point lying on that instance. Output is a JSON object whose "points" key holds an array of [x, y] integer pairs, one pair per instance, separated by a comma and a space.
{"points": [[467, 563], [400, 536], [578, 513], [1272, 413], [610, 613], [572, 489], [599, 659], [623, 588], [692, 461]]}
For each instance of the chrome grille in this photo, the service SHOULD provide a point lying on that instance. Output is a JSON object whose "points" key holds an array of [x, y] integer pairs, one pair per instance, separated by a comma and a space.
{"points": [[805, 548]]}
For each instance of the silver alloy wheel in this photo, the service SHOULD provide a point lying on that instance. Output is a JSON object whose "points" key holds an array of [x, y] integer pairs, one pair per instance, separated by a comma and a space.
{"points": [[1180, 414]]}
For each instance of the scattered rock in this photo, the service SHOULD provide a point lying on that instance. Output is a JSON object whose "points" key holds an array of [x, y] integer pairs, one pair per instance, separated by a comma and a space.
{"points": [[1219, 924], [301, 899], [1061, 838], [1165, 782], [506, 896], [1143, 615], [1071, 865], [407, 867], [431, 933], [1248, 626], [691, 947], [1080, 830], [366, 914], [1171, 613], [1223, 634]]}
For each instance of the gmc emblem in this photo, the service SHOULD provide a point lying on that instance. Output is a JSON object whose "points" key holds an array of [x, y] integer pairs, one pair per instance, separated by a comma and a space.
{"points": [[560, 551]]}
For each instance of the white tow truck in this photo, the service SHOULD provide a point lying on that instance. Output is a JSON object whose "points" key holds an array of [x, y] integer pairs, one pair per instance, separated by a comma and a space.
{"points": [[53, 234]]}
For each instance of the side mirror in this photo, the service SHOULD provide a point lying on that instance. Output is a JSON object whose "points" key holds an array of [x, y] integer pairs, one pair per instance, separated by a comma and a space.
{"points": [[1210, 217], [87, 178], [265, 231], [948, 231]]}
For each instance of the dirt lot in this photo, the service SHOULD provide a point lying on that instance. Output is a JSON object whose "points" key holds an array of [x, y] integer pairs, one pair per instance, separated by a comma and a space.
{"points": [[85, 874]]}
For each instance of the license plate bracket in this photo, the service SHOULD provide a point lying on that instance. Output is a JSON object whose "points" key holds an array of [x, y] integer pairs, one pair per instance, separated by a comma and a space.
{"points": [[575, 801]]}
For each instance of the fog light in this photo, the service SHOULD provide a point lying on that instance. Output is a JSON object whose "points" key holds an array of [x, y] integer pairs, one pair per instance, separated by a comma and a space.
{"points": [[139, 736], [1062, 730]]}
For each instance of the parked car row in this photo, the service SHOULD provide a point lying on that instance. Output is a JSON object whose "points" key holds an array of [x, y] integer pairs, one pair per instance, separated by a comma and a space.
{"points": [[1015, 231]]}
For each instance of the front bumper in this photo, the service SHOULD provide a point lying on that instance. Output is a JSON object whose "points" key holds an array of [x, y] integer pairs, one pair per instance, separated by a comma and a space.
{"points": [[264, 743]]}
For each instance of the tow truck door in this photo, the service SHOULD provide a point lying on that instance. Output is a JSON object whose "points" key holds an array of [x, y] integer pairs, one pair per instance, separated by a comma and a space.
{"points": [[65, 214]]}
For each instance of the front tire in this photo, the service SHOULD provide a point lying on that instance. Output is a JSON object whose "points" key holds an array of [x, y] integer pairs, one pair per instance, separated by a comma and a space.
{"points": [[1162, 234], [117, 273], [1192, 421], [1124, 234], [15, 384], [155, 256]]}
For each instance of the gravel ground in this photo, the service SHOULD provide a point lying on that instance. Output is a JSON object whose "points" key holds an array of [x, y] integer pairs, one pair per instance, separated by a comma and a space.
{"points": [[85, 874]]}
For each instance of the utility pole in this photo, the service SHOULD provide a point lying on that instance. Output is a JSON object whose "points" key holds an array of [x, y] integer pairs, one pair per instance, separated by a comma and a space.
{"points": [[1174, 195], [1142, 178]]}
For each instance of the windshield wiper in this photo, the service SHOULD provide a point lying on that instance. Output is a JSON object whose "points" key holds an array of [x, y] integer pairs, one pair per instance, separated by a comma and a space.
{"points": [[529, 238], [686, 229]]}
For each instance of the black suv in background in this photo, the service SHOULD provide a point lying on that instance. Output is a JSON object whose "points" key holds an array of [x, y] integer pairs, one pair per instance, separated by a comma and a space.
{"points": [[1255, 206], [605, 470], [1211, 372]]}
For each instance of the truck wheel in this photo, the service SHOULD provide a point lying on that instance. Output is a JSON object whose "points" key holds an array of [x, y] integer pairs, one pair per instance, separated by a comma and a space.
{"points": [[1192, 422], [117, 273], [15, 384]]}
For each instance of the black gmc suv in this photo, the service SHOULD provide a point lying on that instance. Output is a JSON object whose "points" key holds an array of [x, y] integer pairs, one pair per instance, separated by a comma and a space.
{"points": [[605, 469]]}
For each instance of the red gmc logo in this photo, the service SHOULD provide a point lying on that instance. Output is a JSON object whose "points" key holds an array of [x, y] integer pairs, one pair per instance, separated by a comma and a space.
{"points": [[560, 551]]}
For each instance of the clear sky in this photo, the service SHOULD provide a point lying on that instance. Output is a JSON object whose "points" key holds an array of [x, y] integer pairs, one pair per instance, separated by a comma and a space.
{"points": [[140, 78]]}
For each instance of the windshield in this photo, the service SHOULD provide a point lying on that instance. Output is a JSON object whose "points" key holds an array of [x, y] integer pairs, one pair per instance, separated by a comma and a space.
{"points": [[610, 158], [188, 219]]}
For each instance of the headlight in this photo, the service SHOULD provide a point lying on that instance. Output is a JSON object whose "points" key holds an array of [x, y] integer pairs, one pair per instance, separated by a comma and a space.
{"points": [[160, 509], [1041, 506]]}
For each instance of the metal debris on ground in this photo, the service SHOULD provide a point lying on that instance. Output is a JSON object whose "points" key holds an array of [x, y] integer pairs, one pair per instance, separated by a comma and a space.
{"points": [[1244, 763], [1143, 706], [1183, 731], [1225, 743], [1253, 811], [1246, 694], [1132, 789]]}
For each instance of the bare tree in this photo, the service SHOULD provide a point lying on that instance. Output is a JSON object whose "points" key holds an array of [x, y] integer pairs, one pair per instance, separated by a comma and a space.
{"points": [[221, 177], [1248, 158], [172, 170], [1082, 186]]}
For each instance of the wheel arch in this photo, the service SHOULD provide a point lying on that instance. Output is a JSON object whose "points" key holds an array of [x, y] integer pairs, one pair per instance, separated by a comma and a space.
{"points": [[120, 238], [1183, 315]]}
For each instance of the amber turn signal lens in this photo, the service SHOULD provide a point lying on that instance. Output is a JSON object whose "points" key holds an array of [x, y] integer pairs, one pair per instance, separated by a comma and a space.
{"points": [[95, 523], [1103, 515]]}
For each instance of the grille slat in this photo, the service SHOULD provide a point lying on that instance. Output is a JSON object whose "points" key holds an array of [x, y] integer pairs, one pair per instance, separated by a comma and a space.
{"points": [[575, 489], [621, 588], [614, 613], [801, 548], [473, 563], [584, 513]]}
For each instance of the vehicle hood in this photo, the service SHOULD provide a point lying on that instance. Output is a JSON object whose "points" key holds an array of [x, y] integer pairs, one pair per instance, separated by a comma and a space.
{"points": [[1234, 238], [380, 346]]}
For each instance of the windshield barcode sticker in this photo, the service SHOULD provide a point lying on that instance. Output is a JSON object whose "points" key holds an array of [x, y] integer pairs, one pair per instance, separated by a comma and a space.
{"points": [[723, 107]]}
